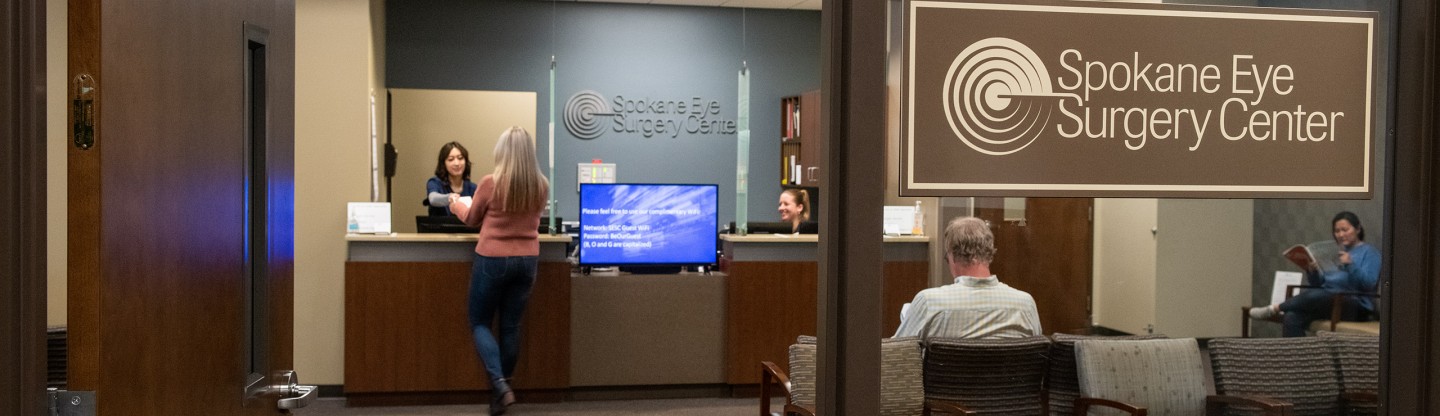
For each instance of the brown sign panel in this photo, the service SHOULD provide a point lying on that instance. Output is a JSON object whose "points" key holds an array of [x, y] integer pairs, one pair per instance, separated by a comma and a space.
{"points": [[1135, 100]]}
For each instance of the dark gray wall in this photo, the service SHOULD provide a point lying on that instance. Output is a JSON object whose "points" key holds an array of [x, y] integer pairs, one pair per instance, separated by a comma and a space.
{"points": [[656, 52]]}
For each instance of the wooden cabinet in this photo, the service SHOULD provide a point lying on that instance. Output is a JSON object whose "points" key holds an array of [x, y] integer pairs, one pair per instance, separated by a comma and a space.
{"points": [[801, 144], [771, 295], [407, 335]]}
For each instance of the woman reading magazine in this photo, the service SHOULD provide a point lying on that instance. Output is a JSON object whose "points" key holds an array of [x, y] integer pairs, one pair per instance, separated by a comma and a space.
{"points": [[1356, 268]]}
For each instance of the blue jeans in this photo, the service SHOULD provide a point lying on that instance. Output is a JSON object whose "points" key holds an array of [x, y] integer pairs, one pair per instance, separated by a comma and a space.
{"points": [[499, 285], [1312, 304]]}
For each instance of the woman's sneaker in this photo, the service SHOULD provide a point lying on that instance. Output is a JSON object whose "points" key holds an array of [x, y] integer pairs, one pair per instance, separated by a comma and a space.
{"points": [[1263, 312]]}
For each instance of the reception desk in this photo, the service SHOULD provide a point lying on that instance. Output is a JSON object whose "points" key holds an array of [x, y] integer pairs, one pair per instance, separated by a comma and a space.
{"points": [[407, 336], [771, 291], [588, 336]]}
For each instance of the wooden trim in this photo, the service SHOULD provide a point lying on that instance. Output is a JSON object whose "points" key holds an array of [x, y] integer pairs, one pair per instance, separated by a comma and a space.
{"points": [[852, 84], [1408, 316], [22, 212], [83, 204]]}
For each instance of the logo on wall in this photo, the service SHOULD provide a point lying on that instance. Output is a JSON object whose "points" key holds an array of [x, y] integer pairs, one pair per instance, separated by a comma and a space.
{"points": [[583, 114], [588, 115], [997, 96]]}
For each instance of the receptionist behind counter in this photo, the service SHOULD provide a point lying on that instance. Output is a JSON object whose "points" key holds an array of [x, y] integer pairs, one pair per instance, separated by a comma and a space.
{"points": [[452, 176], [795, 210]]}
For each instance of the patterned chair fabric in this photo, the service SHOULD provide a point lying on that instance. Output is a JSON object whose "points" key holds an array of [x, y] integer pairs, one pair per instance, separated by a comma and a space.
{"points": [[802, 371], [1166, 376], [1301, 371], [989, 376], [902, 391], [1358, 358], [1060, 381]]}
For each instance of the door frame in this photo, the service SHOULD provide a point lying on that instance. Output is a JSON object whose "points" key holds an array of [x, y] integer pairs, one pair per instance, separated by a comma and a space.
{"points": [[22, 208]]}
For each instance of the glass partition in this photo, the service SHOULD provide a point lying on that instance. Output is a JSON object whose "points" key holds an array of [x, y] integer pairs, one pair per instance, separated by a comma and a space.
{"points": [[1181, 267]]}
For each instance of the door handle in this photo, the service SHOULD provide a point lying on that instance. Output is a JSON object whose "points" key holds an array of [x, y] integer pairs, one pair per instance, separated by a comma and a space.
{"points": [[292, 394]]}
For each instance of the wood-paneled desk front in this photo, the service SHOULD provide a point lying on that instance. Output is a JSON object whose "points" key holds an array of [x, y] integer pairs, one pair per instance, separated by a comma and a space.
{"points": [[407, 336], [771, 292]]}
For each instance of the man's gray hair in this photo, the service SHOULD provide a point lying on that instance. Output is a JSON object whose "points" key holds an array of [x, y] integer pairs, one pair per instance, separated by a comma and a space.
{"points": [[968, 240]]}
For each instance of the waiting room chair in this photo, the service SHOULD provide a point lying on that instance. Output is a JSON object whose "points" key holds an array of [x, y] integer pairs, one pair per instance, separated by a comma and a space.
{"points": [[798, 384], [902, 391], [1062, 385], [1301, 371], [1160, 377], [1358, 358], [1336, 323], [986, 376]]}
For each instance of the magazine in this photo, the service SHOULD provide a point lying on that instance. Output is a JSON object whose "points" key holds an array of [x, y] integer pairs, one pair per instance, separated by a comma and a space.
{"points": [[1321, 256]]}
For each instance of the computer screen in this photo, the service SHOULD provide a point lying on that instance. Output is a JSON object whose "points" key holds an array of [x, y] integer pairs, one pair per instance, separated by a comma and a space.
{"points": [[648, 224], [442, 224]]}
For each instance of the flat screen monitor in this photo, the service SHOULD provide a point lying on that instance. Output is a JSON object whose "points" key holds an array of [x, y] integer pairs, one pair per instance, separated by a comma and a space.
{"points": [[630, 224]]}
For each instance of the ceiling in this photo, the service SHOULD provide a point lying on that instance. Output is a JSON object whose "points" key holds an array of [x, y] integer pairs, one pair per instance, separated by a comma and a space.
{"points": [[759, 4]]}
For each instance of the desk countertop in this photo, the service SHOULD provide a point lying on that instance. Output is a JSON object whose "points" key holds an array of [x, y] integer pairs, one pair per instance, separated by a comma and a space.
{"points": [[438, 238]]}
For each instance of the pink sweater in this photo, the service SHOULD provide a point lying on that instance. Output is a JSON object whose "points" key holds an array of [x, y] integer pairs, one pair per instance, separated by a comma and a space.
{"points": [[502, 234]]}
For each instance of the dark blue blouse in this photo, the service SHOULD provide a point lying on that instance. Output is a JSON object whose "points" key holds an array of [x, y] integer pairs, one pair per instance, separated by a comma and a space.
{"points": [[442, 185]]}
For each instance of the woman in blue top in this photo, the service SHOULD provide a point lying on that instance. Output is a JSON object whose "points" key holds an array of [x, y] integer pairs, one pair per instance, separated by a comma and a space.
{"points": [[452, 176], [1358, 271]]}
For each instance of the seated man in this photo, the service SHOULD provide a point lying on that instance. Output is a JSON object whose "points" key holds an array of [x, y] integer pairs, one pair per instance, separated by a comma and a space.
{"points": [[977, 305]]}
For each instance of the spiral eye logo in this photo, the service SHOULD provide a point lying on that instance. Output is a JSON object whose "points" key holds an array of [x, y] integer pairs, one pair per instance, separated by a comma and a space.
{"points": [[583, 114], [998, 96]]}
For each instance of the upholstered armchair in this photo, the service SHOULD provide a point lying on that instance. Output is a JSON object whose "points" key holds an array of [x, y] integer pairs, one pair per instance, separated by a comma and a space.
{"points": [[902, 390], [1358, 358], [986, 376], [1160, 377], [1062, 385]]}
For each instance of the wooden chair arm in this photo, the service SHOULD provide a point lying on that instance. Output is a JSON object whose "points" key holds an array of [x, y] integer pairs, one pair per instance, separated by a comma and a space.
{"points": [[1290, 290], [1337, 303], [795, 409], [1082, 406], [1215, 404], [771, 374], [945, 407]]}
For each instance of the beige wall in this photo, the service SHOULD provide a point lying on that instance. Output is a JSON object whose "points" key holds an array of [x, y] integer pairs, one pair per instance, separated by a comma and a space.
{"points": [[1124, 268], [56, 257], [424, 120], [1186, 278], [333, 77], [1204, 274]]}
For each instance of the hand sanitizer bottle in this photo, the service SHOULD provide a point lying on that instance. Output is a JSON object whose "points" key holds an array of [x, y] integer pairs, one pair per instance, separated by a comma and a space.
{"points": [[352, 226], [919, 228]]}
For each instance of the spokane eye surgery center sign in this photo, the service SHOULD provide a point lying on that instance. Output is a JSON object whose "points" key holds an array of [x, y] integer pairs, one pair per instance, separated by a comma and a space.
{"points": [[1136, 100]]}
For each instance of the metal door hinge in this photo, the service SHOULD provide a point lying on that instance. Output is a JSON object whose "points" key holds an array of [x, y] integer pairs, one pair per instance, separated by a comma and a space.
{"points": [[72, 403]]}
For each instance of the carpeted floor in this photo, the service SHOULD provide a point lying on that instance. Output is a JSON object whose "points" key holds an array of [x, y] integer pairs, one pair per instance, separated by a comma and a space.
{"points": [[707, 407]]}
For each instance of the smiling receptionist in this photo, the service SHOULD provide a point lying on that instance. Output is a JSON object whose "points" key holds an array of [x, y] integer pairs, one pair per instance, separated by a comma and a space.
{"points": [[452, 176], [795, 209]]}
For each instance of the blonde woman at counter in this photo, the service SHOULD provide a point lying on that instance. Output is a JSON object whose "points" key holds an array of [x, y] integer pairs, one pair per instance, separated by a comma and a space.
{"points": [[507, 207]]}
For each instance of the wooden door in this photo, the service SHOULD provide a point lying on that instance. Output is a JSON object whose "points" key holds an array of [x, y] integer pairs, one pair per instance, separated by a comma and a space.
{"points": [[181, 204], [1048, 255]]}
